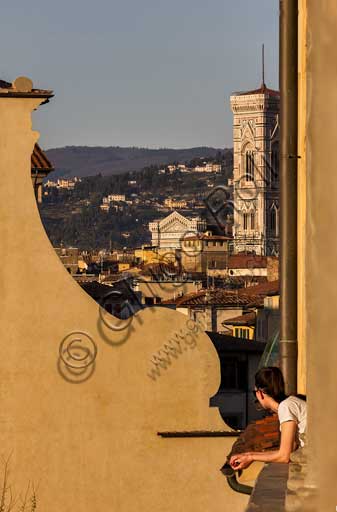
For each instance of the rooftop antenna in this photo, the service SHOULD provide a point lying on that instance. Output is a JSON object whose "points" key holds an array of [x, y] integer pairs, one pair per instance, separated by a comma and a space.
{"points": [[263, 82]]}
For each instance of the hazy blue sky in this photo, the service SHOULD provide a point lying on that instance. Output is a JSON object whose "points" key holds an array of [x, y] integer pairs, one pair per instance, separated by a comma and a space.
{"points": [[149, 73]]}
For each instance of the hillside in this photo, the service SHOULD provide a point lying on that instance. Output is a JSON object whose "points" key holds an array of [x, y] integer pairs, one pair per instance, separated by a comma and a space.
{"points": [[89, 161], [74, 217]]}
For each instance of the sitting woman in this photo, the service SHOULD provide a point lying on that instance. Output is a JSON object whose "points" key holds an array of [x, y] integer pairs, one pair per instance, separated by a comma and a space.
{"points": [[292, 414]]}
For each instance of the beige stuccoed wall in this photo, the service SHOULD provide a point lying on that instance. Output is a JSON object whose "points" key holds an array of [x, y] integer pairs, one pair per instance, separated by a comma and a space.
{"points": [[319, 286], [93, 446]]}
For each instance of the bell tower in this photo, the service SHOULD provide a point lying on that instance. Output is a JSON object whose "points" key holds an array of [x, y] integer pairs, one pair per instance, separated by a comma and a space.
{"points": [[256, 170]]}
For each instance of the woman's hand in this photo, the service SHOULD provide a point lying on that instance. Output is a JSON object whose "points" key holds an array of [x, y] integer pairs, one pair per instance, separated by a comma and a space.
{"points": [[241, 460]]}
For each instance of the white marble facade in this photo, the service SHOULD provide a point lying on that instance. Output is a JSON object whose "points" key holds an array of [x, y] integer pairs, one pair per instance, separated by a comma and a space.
{"points": [[256, 171], [168, 233]]}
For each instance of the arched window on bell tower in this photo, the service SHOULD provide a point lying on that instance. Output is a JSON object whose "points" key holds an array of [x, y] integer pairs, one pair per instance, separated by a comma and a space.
{"points": [[245, 221], [252, 221], [275, 162], [249, 165], [273, 220]]}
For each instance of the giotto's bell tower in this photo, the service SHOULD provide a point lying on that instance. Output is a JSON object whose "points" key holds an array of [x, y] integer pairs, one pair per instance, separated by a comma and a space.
{"points": [[256, 171]]}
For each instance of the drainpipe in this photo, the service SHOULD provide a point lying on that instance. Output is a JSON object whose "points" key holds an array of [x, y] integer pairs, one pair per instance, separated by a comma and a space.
{"points": [[288, 190]]}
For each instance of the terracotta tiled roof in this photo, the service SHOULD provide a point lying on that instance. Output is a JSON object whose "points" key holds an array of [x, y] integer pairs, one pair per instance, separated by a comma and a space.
{"points": [[247, 261], [261, 90], [265, 289], [39, 160], [213, 297], [252, 296], [247, 319]]}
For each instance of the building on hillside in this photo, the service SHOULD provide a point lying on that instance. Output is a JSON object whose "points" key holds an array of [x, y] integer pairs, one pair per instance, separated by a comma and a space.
{"points": [[183, 168], [208, 167], [175, 203], [40, 168], [66, 184], [213, 167], [168, 233], [116, 197], [63, 184], [256, 171], [112, 198], [172, 168], [203, 252]]}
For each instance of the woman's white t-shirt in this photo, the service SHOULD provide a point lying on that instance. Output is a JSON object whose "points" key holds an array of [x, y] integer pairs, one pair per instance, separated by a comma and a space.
{"points": [[293, 409]]}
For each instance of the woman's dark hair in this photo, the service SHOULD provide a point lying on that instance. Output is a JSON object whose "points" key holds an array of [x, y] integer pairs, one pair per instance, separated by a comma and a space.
{"points": [[270, 380]]}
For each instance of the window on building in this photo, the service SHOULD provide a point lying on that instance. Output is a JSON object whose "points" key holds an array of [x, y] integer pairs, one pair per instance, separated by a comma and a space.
{"points": [[252, 221], [275, 162], [245, 221], [242, 332], [273, 220], [249, 166]]}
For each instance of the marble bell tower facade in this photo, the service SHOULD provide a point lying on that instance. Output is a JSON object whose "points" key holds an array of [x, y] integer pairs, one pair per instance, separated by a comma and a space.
{"points": [[256, 171]]}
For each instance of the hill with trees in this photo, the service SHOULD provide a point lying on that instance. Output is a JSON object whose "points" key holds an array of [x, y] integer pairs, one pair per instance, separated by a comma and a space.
{"points": [[85, 161], [74, 217]]}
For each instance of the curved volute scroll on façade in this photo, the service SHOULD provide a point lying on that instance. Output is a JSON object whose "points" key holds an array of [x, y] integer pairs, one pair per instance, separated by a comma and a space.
{"points": [[81, 401]]}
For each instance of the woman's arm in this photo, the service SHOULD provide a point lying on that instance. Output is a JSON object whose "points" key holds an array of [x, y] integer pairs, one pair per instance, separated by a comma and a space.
{"points": [[288, 432]]}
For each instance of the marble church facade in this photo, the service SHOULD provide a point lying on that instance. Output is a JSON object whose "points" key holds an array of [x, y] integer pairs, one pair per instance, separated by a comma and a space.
{"points": [[168, 233], [256, 171]]}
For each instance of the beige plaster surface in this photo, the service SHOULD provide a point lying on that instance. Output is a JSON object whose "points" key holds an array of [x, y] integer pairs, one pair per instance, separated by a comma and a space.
{"points": [[93, 446], [321, 248]]}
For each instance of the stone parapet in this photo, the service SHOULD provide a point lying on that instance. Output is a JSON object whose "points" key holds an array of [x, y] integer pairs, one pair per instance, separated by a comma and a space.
{"points": [[301, 493]]}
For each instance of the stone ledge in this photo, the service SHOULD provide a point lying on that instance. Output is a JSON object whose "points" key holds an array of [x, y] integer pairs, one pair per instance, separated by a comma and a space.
{"points": [[269, 493]]}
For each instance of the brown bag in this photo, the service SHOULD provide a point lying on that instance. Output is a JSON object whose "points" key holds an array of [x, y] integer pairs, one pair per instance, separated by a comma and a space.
{"points": [[258, 436]]}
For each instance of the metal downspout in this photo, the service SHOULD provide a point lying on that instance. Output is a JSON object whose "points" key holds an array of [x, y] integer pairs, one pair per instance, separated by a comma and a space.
{"points": [[288, 190]]}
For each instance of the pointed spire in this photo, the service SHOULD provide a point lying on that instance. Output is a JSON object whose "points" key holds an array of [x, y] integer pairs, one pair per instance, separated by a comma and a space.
{"points": [[263, 85]]}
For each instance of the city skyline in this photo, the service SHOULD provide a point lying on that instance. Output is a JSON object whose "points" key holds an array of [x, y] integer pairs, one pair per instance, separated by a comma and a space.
{"points": [[140, 75]]}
